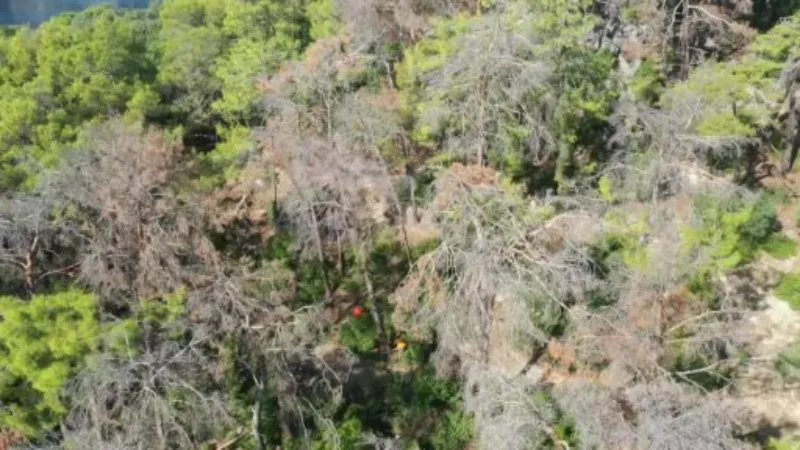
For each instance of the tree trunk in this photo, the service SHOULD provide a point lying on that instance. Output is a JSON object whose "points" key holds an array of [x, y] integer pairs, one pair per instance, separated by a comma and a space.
{"points": [[317, 237], [792, 133], [375, 307], [256, 422], [674, 14]]}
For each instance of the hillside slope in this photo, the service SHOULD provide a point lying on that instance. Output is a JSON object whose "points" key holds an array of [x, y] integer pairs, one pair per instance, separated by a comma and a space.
{"points": [[405, 224]]}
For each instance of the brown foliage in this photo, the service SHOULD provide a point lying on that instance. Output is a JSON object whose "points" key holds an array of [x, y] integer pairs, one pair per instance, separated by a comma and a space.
{"points": [[460, 177], [418, 299], [9, 439], [142, 239], [382, 22], [493, 249]]}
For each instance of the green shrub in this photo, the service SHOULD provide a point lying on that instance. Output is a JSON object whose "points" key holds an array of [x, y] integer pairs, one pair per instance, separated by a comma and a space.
{"points": [[648, 83], [778, 196], [600, 298], [783, 444], [453, 431], [780, 246], [607, 253], [417, 353], [731, 230], [702, 285], [429, 410], [712, 379], [164, 309], [606, 188], [788, 290], [423, 248], [155, 316], [762, 222], [424, 390], [360, 335], [788, 362], [631, 14], [348, 435]]}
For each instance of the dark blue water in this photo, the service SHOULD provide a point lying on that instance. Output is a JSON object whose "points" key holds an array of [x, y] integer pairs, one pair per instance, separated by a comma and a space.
{"points": [[34, 12]]}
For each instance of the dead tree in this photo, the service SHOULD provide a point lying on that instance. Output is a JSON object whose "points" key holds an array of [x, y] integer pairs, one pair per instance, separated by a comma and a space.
{"points": [[36, 246], [789, 115]]}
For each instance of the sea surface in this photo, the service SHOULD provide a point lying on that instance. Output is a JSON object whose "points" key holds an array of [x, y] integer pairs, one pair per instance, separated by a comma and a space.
{"points": [[34, 12]]}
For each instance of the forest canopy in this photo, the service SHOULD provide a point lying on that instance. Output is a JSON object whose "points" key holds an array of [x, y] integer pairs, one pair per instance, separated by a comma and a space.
{"points": [[401, 224]]}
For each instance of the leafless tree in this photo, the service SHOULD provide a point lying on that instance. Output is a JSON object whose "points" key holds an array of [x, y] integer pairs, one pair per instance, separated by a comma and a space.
{"points": [[535, 261], [661, 154], [495, 249], [657, 189], [142, 240], [510, 413], [654, 322], [683, 33], [496, 74], [789, 114], [328, 148], [118, 204], [659, 414], [154, 399], [376, 26], [37, 245], [164, 392]]}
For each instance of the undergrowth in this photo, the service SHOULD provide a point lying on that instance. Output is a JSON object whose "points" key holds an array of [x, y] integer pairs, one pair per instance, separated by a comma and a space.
{"points": [[788, 290]]}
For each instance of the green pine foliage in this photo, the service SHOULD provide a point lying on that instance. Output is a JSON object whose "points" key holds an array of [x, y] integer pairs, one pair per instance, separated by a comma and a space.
{"points": [[788, 290], [43, 342], [442, 73], [737, 96], [195, 66], [74, 69], [213, 50], [648, 83], [731, 231], [322, 19]]}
